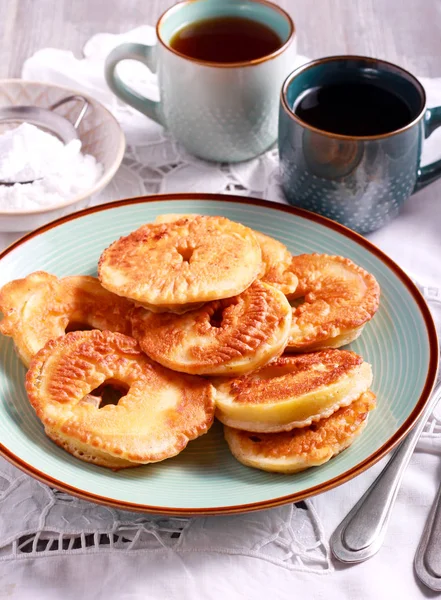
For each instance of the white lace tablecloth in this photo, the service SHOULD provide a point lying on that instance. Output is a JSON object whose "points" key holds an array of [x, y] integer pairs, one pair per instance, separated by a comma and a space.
{"points": [[54, 546]]}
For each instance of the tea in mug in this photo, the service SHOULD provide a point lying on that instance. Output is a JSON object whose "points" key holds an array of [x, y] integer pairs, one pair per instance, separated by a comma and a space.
{"points": [[226, 40]]}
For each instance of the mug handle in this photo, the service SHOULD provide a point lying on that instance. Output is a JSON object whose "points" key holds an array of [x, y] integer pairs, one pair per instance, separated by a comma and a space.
{"points": [[429, 173], [145, 55]]}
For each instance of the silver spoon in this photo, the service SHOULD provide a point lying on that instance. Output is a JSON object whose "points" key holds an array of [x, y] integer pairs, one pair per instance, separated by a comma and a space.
{"points": [[361, 533], [46, 119]]}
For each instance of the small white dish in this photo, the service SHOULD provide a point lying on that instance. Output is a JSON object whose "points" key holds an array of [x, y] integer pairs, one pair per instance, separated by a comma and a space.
{"points": [[100, 134]]}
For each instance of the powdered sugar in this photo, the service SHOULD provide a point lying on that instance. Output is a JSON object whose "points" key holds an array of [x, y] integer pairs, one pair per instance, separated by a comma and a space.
{"points": [[59, 172]]}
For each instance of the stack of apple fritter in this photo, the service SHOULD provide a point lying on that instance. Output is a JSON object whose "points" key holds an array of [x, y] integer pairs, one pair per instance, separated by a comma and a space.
{"points": [[193, 316]]}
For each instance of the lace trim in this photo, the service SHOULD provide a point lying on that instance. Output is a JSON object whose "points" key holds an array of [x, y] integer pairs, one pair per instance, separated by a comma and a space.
{"points": [[148, 536], [37, 522], [162, 166], [432, 428], [431, 294]]}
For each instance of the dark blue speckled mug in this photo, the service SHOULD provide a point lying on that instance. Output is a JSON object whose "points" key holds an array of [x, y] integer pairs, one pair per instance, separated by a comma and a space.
{"points": [[360, 181]]}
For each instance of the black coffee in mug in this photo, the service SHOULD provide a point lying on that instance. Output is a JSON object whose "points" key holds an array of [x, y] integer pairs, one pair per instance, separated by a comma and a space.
{"points": [[353, 108], [351, 131]]}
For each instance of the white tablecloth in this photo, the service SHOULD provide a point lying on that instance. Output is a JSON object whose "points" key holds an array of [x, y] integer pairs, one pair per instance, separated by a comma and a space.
{"points": [[53, 546]]}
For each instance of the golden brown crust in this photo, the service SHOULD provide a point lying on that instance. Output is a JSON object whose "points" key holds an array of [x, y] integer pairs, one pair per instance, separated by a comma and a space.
{"points": [[195, 259], [292, 391], [276, 259], [289, 376], [157, 417], [40, 307], [300, 449], [223, 337], [339, 297]]}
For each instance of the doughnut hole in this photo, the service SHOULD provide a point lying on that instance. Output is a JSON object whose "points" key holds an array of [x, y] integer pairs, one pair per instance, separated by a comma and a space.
{"points": [[78, 326], [109, 392], [217, 317], [296, 302], [186, 252]]}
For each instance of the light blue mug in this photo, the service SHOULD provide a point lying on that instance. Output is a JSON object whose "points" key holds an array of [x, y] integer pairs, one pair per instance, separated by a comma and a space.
{"points": [[224, 112]]}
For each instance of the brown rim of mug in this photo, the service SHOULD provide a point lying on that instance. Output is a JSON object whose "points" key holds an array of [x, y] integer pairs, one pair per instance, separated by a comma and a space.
{"points": [[245, 63], [339, 136]]}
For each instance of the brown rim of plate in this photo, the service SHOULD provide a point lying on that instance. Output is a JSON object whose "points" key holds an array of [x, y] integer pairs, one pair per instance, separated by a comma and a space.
{"points": [[303, 494], [233, 65], [339, 136]]}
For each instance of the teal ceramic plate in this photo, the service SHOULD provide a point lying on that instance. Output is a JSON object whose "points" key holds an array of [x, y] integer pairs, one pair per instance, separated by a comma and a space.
{"points": [[400, 343]]}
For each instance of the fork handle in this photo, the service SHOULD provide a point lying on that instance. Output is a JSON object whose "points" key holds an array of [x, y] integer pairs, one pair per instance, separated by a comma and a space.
{"points": [[428, 556], [361, 533]]}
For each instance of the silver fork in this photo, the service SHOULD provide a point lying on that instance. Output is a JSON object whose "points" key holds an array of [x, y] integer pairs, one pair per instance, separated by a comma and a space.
{"points": [[428, 555], [361, 533]]}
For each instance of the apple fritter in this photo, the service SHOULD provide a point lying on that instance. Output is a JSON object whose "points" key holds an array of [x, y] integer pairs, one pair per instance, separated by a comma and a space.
{"points": [[41, 307], [224, 337], [292, 391], [190, 260], [276, 259], [159, 414], [300, 449], [333, 301]]}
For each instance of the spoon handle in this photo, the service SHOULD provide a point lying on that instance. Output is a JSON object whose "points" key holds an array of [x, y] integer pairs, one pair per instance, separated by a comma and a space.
{"points": [[428, 556], [361, 533]]}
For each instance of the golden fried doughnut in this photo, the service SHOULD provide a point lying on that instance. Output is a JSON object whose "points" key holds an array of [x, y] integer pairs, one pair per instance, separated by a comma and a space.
{"points": [[276, 259], [161, 411], [187, 261], [224, 337], [339, 299], [300, 449], [292, 391], [41, 307]]}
